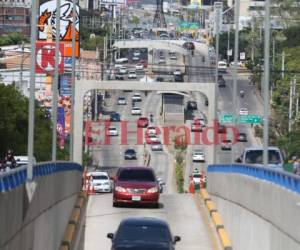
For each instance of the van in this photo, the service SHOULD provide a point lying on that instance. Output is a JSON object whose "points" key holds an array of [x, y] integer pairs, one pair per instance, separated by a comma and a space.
{"points": [[254, 156], [222, 67]]}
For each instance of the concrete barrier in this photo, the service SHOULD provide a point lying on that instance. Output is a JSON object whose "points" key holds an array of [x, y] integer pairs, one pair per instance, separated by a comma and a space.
{"points": [[216, 218], [260, 207], [41, 222]]}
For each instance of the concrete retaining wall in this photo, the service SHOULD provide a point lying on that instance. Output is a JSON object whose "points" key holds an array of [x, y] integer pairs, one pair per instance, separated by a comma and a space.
{"points": [[257, 214], [41, 223]]}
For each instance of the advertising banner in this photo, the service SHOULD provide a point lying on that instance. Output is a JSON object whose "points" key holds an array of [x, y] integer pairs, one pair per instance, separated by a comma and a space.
{"points": [[47, 24], [61, 126], [65, 85], [45, 58]]}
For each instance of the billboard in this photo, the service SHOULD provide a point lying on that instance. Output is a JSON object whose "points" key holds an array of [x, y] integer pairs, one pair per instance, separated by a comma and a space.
{"points": [[45, 58], [65, 85], [61, 126], [47, 24]]}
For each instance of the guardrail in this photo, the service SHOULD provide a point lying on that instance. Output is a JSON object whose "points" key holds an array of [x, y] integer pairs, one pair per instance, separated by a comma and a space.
{"points": [[16, 177], [278, 177]]}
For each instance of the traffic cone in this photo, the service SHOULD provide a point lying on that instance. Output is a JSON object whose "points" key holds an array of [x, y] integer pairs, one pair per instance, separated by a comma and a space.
{"points": [[192, 187], [91, 189]]}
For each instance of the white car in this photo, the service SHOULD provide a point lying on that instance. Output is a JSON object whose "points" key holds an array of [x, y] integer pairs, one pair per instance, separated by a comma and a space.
{"points": [[244, 111], [122, 101], [161, 61], [132, 75], [197, 177], [100, 181], [136, 111], [136, 97], [136, 53], [177, 72], [123, 70], [239, 63], [135, 58], [151, 131], [139, 66], [222, 67], [121, 60], [198, 156], [157, 147], [112, 131]]}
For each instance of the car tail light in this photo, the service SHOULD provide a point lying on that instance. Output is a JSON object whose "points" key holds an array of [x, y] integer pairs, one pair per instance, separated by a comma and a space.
{"points": [[120, 189], [152, 190]]}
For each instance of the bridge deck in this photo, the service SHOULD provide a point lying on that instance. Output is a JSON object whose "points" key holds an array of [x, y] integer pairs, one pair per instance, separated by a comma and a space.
{"points": [[181, 212]]}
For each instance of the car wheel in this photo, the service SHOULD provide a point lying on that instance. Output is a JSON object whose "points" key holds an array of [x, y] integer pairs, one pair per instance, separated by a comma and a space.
{"points": [[155, 205], [115, 204]]}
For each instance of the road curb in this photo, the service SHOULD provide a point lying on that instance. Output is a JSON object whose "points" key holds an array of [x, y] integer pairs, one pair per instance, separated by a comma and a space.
{"points": [[75, 222], [217, 220]]}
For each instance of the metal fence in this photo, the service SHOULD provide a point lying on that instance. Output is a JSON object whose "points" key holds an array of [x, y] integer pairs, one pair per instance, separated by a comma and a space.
{"points": [[278, 177], [16, 177]]}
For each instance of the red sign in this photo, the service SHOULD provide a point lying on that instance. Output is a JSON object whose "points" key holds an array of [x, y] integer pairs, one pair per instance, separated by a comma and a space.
{"points": [[45, 58]]}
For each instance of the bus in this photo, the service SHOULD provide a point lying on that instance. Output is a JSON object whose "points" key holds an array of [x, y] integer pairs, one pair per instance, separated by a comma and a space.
{"points": [[254, 156]]}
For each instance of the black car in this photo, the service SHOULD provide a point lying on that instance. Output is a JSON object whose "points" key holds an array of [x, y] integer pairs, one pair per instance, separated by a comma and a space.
{"points": [[178, 78], [242, 137], [120, 77], [115, 117], [221, 83], [159, 79], [145, 233], [191, 105], [129, 154]]}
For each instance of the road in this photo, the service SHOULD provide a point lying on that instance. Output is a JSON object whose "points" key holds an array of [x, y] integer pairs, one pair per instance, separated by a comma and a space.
{"points": [[181, 211]]}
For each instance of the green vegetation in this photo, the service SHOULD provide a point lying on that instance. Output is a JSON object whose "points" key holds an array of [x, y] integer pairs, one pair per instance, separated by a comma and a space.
{"points": [[14, 126], [13, 39], [134, 20], [179, 173]]}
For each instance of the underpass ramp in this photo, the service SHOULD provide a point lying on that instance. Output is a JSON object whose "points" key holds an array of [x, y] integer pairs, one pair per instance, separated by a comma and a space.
{"points": [[179, 210]]}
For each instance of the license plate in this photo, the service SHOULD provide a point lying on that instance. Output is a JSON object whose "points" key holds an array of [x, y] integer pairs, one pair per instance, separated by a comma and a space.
{"points": [[136, 198]]}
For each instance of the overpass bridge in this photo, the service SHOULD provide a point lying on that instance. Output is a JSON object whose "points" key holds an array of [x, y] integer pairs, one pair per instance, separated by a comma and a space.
{"points": [[260, 209]]}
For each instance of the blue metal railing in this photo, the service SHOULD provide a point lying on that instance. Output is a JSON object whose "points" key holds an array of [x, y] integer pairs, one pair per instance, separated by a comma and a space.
{"points": [[16, 177], [278, 177]]}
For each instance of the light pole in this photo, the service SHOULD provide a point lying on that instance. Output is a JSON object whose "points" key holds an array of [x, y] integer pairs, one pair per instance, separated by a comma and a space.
{"points": [[266, 81]]}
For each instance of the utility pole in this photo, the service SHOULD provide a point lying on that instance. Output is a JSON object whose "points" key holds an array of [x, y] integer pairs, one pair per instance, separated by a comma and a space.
{"points": [[282, 64], [55, 84], [266, 81], [30, 145], [291, 103], [73, 79], [236, 52], [21, 67], [228, 42]]}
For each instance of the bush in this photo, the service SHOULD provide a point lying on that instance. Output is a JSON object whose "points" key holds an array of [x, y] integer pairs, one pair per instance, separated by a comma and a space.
{"points": [[179, 177]]}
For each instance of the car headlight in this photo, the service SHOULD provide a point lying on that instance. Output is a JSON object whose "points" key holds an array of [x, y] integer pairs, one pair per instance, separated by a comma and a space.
{"points": [[153, 190], [120, 189]]}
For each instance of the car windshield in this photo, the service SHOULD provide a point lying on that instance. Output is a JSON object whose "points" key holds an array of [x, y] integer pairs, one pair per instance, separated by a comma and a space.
{"points": [[144, 232], [100, 177], [197, 175], [136, 175], [256, 157]]}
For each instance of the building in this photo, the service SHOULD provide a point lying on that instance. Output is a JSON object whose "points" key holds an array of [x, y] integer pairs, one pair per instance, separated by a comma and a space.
{"points": [[15, 17]]}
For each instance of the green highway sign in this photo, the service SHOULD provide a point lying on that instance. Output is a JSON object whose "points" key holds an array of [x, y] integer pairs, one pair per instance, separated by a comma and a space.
{"points": [[227, 118], [251, 119]]}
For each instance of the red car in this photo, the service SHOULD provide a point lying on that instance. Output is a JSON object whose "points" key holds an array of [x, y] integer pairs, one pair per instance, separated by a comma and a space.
{"points": [[144, 62], [143, 122], [151, 139], [136, 185]]}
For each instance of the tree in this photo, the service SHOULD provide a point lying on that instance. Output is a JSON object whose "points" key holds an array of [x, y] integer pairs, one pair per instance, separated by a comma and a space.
{"points": [[135, 20], [14, 126]]}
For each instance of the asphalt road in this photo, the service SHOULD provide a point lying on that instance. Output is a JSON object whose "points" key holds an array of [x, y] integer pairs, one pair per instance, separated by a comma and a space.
{"points": [[180, 210]]}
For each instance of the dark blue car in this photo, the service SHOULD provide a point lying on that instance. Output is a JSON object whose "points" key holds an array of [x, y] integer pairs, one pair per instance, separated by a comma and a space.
{"points": [[115, 117], [143, 234]]}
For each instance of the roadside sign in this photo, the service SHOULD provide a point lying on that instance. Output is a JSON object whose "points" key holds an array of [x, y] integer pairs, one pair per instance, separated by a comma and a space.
{"points": [[251, 119], [227, 118], [242, 56], [229, 52]]}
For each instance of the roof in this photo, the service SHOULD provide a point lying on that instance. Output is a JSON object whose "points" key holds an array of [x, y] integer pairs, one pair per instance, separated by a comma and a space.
{"points": [[144, 220]]}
